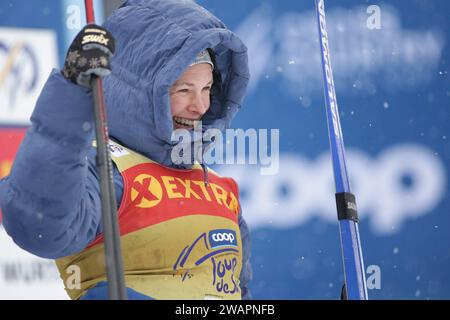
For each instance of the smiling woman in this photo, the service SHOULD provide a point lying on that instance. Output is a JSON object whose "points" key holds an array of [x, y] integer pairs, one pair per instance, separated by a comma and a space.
{"points": [[190, 95], [164, 208]]}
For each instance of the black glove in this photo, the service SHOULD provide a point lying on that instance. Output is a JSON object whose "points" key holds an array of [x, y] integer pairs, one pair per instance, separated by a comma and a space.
{"points": [[89, 54]]}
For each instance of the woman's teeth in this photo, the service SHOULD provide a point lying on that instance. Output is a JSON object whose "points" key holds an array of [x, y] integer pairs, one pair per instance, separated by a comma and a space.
{"points": [[184, 122]]}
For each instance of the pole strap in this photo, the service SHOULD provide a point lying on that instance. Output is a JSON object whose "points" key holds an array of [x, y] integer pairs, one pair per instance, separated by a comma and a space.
{"points": [[346, 206]]}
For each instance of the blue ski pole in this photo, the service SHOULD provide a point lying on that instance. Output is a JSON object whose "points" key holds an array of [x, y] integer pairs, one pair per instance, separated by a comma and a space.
{"points": [[355, 282]]}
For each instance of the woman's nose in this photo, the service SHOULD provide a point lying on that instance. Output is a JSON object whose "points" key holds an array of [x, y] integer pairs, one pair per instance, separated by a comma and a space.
{"points": [[198, 105]]}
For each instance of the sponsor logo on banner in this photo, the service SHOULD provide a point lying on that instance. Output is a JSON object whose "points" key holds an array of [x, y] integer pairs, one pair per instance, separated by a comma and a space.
{"points": [[279, 51], [27, 57], [405, 181], [25, 276], [10, 140]]}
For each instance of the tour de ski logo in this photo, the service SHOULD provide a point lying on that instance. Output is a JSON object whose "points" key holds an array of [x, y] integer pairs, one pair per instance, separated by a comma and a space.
{"points": [[219, 249]]}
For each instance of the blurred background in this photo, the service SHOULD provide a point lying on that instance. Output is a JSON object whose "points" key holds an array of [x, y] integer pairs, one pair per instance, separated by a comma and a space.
{"points": [[391, 67]]}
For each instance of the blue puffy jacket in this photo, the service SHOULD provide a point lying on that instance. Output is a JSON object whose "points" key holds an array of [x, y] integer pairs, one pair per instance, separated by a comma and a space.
{"points": [[51, 199]]}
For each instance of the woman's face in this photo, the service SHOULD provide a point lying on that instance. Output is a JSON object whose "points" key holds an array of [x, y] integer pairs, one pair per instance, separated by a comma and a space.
{"points": [[189, 95]]}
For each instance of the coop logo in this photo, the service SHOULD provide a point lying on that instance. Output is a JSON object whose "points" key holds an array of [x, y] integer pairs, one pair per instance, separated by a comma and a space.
{"points": [[222, 237], [26, 58], [403, 182], [146, 191]]}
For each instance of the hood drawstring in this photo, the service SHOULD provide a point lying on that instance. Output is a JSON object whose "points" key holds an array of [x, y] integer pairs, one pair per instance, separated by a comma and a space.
{"points": [[205, 174]]}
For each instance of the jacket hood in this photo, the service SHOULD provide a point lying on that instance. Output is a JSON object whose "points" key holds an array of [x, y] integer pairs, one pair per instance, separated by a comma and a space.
{"points": [[155, 42]]}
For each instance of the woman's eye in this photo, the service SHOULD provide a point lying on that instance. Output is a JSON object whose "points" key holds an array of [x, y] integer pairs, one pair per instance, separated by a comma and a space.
{"points": [[207, 88], [183, 90]]}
